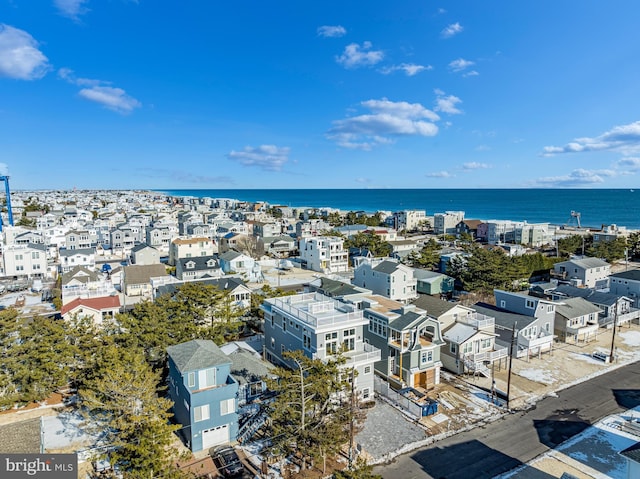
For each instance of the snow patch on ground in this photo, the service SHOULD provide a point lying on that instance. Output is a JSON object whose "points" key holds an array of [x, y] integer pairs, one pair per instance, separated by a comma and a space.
{"points": [[631, 338], [543, 376]]}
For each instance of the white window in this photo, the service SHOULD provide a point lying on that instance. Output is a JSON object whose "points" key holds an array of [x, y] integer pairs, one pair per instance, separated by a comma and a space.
{"points": [[331, 343], [227, 406], [192, 380], [426, 357], [486, 343], [201, 413], [529, 304], [206, 378]]}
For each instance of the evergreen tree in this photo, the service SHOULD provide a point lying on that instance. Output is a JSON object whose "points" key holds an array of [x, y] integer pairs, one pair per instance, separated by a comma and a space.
{"points": [[121, 405], [308, 419]]}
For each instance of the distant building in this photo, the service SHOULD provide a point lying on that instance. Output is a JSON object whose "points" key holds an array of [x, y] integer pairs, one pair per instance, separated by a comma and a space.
{"points": [[445, 223], [325, 254]]}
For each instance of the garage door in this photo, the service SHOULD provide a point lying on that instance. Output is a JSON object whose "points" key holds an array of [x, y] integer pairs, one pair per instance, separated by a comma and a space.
{"points": [[214, 436]]}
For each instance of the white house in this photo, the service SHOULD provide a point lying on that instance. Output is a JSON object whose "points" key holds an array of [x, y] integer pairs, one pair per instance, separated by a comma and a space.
{"points": [[25, 260], [387, 277], [325, 254], [589, 272]]}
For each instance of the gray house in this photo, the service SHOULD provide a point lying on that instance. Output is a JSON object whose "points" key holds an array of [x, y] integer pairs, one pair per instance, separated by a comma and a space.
{"points": [[589, 272], [145, 254], [626, 283]]}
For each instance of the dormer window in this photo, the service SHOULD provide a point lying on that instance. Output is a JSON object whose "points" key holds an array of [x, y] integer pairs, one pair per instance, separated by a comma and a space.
{"points": [[190, 265]]}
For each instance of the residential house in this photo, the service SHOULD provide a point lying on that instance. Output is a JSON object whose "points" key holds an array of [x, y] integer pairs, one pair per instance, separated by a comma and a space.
{"points": [[387, 277], [80, 239], [523, 303], [576, 320], [400, 249], [325, 254], [468, 227], [69, 259], [199, 230], [433, 283], [632, 456], [534, 235], [588, 272], [190, 248], [125, 237], [233, 262], [239, 293], [160, 237], [28, 260], [409, 220], [96, 309], [145, 254], [626, 283], [469, 337], [614, 307], [446, 223], [409, 341], [235, 241], [337, 289], [204, 394], [81, 282], [320, 327], [502, 231], [137, 278], [279, 246], [531, 336], [263, 229], [312, 227], [189, 269]]}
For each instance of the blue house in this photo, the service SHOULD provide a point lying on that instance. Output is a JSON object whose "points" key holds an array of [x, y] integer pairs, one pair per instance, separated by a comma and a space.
{"points": [[204, 393]]}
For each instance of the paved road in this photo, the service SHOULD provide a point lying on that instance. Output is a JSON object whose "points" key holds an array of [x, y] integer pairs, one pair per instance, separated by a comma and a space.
{"points": [[518, 438]]}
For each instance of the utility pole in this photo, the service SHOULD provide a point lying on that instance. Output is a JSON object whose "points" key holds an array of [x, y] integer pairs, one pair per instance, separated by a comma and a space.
{"points": [[613, 336], [352, 407], [513, 336]]}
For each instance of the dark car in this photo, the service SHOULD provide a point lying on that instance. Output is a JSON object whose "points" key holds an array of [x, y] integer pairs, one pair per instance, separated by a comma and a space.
{"points": [[227, 461]]}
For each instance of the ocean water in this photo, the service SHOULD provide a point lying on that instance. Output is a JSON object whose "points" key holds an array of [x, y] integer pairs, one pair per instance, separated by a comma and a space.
{"points": [[597, 206]]}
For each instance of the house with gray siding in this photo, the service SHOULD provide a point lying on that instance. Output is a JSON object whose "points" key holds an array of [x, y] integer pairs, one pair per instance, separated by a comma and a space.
{"points": [[321, 327], [588, 272]]}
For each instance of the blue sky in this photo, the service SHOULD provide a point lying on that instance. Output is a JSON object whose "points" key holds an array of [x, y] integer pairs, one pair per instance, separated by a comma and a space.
{"points": [[295, 94]]}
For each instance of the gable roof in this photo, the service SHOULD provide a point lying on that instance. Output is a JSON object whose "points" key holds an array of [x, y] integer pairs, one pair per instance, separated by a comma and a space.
{"points": [[197, 354], [200, 263], [229, 255], [140, 273], [459, 333], [141, 246], [225, 284], [632, 452], [80, 251], [435, 307], [334, 288], [407, 320], [79, 273], [633, 275], [587, 263], [387, 267], [574, 307], [503, 318], [97, 304]]}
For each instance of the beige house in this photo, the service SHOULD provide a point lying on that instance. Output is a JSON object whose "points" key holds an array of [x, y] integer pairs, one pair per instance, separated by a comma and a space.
{"points": [[137, 279]]}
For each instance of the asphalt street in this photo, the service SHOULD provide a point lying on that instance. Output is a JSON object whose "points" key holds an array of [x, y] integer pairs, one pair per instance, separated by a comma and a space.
{"points": [[485, 452]]}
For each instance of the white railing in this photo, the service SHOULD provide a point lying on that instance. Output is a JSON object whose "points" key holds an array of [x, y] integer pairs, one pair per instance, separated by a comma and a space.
{"points": [[477, 320], [491, 356]]}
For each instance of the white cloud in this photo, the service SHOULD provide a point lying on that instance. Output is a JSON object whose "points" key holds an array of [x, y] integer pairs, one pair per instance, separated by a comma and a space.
{"points": [[68, 75], [624, 138], [71, 8], [578, 177], [472, 73], [115, 99], [266, 157], [474, 165], [447, 103], [387, 119], [100, 91], [410, 69], [355, 56], [629, 164], [440, 174], [451, 30], [460, 65], [19, 55], [332, 31]]}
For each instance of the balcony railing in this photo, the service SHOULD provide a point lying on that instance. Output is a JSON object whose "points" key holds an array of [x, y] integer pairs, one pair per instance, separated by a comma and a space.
{"points": [[477, 320], [491, 356], [622, 318]]}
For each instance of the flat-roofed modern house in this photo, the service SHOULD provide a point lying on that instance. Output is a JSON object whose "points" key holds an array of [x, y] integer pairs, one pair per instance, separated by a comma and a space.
{"points": [[325, 254], [320, 327]]}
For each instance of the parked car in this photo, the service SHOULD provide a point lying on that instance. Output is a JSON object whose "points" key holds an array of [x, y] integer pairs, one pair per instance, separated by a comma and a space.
{"points": [[227, 461]]}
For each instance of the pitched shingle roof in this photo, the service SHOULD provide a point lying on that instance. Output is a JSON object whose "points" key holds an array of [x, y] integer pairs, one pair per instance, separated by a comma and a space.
{"points": [[98, 304], [435, 307], [197, 354], [574, 307]]}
